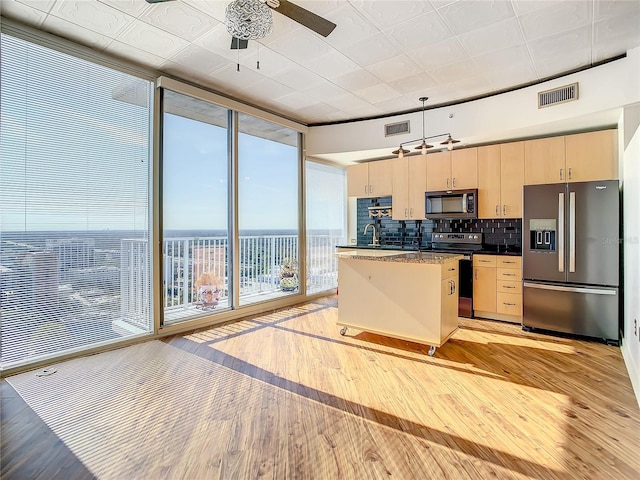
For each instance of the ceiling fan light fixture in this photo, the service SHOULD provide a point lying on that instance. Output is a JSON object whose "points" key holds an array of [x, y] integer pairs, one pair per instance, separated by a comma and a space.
{"points": [[248, 19]]}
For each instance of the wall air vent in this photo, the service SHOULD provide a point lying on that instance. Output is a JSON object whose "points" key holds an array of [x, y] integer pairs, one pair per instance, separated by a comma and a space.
{"points": [[568, 93], [399, 128]]}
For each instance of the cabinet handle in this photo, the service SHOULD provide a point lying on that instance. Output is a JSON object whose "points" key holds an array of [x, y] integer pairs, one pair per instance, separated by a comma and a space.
{"points": [[411, 212], [447, 183], [370, 188], [405, 212], [497, 207], [475, 276], [453, 182], [508, 261], [504, 209], [366, 189], [561, 174], [484, 261], [508, 286], [509, 274], [569, 173], [509, 304], [452, 269]]}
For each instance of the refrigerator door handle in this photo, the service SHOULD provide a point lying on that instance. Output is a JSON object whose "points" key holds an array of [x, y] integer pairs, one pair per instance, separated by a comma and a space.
{"points": [[561, 232], [572, 231], [560, 288]]}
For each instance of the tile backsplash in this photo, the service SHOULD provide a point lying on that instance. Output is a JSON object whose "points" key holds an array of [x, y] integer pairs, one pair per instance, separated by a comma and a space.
{"points": [[418, 232]]}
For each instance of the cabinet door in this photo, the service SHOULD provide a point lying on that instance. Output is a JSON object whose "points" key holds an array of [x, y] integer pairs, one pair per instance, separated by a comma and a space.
{"points": [[380, 178], [592, 156], [484, 289], [489, 205], [449, 307], [417, 183], [464, 168], [400, 196], [544, 161], [358, 180], [439, 171], [511, 179]]}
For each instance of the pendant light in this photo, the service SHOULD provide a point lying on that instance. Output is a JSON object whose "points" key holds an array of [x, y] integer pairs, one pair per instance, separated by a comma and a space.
{"points": [[424, 146]]}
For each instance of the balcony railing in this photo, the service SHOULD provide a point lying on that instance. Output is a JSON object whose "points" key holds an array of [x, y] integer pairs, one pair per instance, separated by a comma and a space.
{"points": [[185, 259]]}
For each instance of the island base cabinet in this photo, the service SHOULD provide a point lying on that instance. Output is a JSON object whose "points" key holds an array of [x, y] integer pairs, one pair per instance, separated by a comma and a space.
{"points": [[410, 301]]}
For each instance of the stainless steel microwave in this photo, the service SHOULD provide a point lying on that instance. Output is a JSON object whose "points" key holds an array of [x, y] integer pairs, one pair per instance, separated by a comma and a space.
{"points": [[451, 204]]}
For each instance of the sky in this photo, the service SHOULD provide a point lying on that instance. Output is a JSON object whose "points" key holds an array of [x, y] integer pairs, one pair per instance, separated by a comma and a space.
{"points": [[75, 157]]}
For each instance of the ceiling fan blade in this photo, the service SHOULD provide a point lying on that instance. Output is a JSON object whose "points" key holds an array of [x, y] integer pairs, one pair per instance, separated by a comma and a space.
{"points": [[238, 43], [158, 1], [304, 17]]}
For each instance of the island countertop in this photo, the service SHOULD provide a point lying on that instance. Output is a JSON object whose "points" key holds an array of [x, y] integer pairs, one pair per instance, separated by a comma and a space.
{"points": [[402, 256]]}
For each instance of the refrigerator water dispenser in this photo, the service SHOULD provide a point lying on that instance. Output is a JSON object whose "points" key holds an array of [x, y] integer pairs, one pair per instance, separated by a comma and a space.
{"points": [[542, 233]]}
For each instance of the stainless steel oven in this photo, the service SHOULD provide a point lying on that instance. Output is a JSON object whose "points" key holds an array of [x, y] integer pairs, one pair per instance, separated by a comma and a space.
{"points": [[451, 204]]}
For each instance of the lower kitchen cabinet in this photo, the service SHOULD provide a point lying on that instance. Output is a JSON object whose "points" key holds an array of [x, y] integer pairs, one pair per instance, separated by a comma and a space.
{"points": [[497, 287]]}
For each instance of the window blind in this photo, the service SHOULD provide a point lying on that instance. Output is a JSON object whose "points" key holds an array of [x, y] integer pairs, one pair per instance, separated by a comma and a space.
{"points": [[74, 190]]}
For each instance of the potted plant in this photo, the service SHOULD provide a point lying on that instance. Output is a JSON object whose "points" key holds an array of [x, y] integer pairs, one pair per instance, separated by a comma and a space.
{"points": [[289, 275]]}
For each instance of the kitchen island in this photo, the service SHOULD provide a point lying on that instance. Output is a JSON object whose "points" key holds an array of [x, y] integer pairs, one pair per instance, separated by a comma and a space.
{"points": [[407, 295]]}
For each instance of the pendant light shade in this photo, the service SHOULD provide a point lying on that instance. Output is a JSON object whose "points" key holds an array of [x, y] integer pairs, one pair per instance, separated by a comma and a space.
{"points": [[400, 152], [449, 142]]}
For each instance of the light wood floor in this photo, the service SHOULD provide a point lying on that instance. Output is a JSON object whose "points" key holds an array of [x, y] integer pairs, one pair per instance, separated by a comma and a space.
{"points": [[310, 404]]}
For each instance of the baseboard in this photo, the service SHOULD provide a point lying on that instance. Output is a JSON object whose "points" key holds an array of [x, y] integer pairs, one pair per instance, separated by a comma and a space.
{"points": [[497, 316], [632, 369]]}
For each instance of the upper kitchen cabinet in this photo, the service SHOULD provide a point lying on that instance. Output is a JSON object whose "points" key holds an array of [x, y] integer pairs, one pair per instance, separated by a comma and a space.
{"points": [[544, 161], [592, 156], [582, 157], [372, 179], [500, 180], [511, 179], [455, 170], [409, 185]]}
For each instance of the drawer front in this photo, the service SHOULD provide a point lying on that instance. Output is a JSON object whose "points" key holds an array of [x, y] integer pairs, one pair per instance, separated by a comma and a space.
{"points": [[450, 269], [509, 274], [484, 260], [509, 262], [506, 286], [509, 304]]}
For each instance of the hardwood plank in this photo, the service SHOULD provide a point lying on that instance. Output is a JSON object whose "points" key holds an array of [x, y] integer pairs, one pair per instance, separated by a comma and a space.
{"points": [[283, 395]]}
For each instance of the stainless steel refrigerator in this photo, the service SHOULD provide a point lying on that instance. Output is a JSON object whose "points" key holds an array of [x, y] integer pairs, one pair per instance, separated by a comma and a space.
{"points": [[571, 257]]}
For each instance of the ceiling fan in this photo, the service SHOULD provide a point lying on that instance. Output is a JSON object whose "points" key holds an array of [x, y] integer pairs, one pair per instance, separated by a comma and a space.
{"points": [[301, 15]]}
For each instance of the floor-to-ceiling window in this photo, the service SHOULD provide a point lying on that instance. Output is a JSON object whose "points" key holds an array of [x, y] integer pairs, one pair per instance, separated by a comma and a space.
{"points": [[268, 204], [195, 208], [326, 223], [75, 263]]}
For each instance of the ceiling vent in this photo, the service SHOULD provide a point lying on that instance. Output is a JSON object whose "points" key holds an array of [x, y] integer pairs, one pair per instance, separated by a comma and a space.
{"points": [[565, 94], [396, 128]]}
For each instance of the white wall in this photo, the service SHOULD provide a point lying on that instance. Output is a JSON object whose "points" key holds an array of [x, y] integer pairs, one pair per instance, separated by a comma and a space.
{"points": [[603, 92], [630, 141]]}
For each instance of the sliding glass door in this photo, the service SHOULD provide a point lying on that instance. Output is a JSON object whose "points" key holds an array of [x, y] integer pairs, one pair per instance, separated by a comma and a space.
{"points": [[268, 199], [195, 210]]}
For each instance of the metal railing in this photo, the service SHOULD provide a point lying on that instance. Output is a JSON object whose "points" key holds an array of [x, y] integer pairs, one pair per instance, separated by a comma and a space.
{"points": [[187, 259]]}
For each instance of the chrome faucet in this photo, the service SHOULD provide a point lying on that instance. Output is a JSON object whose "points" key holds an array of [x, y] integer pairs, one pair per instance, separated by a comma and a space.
{"points": [[375, 238]]}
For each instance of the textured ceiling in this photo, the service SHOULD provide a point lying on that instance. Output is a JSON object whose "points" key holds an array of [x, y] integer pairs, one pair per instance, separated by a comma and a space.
{"points": [[381, 57]]}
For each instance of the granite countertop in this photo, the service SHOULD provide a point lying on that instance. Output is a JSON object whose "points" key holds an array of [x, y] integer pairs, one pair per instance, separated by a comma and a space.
{"points": [[398, 256], [486, 250]]}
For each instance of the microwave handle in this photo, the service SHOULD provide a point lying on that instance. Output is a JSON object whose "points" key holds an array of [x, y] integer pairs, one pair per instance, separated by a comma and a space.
{"points": [[464, 203]]}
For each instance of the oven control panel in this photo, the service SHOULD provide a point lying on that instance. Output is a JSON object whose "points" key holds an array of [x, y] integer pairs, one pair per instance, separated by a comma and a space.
{"points": [[457, 238]]}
